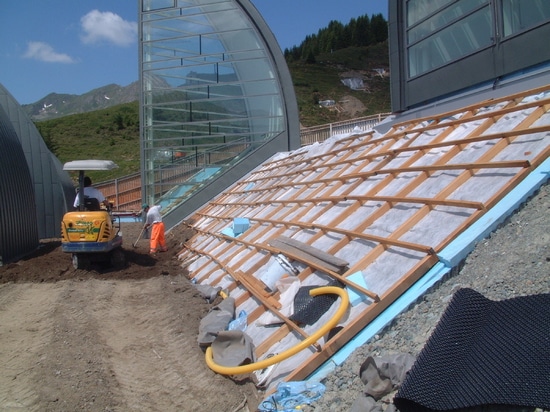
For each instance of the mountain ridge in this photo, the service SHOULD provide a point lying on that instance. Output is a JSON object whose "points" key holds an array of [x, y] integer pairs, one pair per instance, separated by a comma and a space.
{"points": [[56, 105]]}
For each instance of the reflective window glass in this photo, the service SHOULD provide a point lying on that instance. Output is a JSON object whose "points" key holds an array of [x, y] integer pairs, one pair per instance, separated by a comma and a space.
{"points": [[519, 15], [418, 10], [149, 5], [457, 40], [210, 94], [440, 20]]}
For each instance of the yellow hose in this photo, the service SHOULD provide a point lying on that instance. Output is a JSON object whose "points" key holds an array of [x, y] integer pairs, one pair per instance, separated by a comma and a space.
{"points": [[251, 367]]}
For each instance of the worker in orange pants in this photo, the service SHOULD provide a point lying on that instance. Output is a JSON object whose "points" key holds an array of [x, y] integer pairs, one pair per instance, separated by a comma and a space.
{"points": [[157, 241]]}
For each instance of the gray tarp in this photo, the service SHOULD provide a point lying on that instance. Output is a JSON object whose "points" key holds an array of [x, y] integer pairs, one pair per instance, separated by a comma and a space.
{"points": [[232, 348], [216, 321]]}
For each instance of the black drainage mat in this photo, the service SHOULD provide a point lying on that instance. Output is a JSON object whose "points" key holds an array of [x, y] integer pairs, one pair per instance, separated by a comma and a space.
{"points": [[483, 352], [308, 309]]}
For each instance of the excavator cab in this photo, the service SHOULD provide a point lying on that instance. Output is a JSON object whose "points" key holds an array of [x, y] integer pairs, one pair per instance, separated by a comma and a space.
{"points": [[91, 233]]}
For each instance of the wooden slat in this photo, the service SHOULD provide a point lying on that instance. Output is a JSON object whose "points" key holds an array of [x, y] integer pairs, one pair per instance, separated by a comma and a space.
{"points": [[446, 143], [344, 198], [268, 302], [323, 269], [315, 252], [256, 287], [290, 250], [304, 258], [410, 169]]}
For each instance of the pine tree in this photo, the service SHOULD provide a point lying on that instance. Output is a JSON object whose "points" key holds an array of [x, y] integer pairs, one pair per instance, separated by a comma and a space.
{"points": [[359, 32]]}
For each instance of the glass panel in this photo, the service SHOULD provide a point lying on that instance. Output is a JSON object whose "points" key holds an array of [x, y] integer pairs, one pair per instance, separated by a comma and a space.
{"points": [[201, 3], [519, 15], [187, 10], [458, 40], [418, 10], [210, 93], [441, 19], [157, 4]]}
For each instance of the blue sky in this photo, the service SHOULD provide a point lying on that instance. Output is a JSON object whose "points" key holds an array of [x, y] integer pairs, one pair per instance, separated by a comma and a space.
{"points": [[74, 46]]}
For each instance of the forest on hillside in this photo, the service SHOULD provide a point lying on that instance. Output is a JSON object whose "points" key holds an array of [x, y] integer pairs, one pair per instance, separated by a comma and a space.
{"points": [[359, 32]]}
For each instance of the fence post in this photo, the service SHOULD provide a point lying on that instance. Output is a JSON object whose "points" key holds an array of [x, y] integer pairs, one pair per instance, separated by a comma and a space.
{"points": [[116, 195]]}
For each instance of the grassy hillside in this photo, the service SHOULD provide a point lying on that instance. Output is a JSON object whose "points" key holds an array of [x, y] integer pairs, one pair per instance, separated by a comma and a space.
{"points": [[113, 133], [322, 81]]}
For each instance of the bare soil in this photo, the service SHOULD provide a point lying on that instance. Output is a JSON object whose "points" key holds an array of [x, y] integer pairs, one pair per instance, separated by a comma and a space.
{"points": [[108, 340], [351, 106]]}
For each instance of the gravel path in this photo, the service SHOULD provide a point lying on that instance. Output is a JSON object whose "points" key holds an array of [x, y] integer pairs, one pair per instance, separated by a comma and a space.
{"points": [[514, 261]]}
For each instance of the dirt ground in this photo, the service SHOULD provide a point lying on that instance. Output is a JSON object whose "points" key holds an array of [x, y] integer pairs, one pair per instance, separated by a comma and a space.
{"points": [[105, 340], [351, 106]]}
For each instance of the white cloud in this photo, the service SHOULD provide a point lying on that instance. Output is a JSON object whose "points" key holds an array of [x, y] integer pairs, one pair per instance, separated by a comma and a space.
{"points": [[44, 52], [106, 26]]}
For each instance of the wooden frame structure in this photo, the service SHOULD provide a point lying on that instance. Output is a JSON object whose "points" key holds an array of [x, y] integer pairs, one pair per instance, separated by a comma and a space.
{"points": [[384, 203]]}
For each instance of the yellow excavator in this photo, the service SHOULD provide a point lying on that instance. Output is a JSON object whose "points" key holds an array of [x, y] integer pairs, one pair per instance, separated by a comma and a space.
{"points": [[91, 233]]}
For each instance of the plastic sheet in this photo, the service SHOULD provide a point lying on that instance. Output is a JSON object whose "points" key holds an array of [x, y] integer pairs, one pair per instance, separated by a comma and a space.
{"points": [[291, 396]]}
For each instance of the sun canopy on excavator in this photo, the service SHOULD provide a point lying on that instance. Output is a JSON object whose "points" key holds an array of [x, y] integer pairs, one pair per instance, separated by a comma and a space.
{"points": [[89, 234], [91, 164]]}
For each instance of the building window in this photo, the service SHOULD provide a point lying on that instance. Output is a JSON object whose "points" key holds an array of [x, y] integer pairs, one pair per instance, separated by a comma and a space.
{"points": [[521, 15], [443, 31]]}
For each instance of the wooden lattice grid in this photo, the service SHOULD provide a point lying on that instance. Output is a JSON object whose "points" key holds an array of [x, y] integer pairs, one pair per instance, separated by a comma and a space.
{"points": [[385, 203]]}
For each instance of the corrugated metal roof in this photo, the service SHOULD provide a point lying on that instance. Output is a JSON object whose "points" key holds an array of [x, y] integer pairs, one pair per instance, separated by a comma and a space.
{"points": [[53, 188], [18, 227]]}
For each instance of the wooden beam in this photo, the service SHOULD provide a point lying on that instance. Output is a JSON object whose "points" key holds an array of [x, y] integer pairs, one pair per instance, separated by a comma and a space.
{"points": [[315, 252], [344, 198], [241, 277], [301, 257]]}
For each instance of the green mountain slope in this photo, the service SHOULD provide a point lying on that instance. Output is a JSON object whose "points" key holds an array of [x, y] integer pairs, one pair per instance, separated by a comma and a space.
{"points": [[58, 105], [111, 134], [322, 80]]}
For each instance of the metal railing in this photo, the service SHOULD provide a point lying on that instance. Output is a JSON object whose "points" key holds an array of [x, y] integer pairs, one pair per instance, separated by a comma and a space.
{"points": [[125, 192], [310, 135]]}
